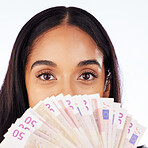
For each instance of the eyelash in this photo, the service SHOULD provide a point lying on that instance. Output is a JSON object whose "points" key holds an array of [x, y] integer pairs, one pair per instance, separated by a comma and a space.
{"points": [[93, 74], [44, 74]]}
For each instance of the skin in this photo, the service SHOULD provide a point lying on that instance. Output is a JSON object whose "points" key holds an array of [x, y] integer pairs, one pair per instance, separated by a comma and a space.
{"points": [[64, 60]]}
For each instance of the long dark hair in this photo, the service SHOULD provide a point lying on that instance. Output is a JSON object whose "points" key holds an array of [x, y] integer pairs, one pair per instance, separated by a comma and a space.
{"points": [[13, 94]]}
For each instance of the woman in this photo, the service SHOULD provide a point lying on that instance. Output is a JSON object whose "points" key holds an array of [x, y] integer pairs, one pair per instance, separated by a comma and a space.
{"points": [[60, 50]]}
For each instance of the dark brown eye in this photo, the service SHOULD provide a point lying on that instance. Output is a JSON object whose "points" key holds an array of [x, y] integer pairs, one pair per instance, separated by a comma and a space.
{"points": [[87, 76], [46, 77]]}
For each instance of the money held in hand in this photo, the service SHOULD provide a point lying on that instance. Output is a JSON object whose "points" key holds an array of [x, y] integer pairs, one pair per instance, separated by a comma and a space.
{"points": [[78, 121]]}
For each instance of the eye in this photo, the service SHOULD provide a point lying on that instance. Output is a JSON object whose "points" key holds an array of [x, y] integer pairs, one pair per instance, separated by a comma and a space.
{"points": [[46, 76], [87, 76]]}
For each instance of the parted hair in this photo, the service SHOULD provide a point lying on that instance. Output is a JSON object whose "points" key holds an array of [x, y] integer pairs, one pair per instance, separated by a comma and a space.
{"points": [[13, 93]]}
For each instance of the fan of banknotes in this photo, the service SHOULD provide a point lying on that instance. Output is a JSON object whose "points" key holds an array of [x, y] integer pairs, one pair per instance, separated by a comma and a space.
{"points": [[80, 121]]}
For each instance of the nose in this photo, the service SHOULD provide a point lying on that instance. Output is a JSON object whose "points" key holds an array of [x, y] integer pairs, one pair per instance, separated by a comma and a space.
{"points": [[67, 87]]}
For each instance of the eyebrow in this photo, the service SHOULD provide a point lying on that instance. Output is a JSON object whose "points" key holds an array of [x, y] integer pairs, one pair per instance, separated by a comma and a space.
{"points": [[43, 62], [50, 63], [89, 62]]}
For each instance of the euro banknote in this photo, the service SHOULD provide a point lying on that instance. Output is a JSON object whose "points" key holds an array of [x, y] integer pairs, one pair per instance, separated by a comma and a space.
{"points": [[80, 121]]}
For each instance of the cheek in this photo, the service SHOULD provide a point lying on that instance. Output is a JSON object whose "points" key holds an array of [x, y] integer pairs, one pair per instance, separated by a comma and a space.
{"points": [[34, 91], [93, 90], [36, 94], [96, 87]]}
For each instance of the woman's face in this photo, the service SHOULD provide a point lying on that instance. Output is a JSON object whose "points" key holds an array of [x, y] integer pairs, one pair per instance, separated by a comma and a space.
{"points": [[64, 60]]}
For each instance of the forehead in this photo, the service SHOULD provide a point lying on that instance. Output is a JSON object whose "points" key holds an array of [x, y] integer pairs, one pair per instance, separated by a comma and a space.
{"points": [[68, 42]]}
